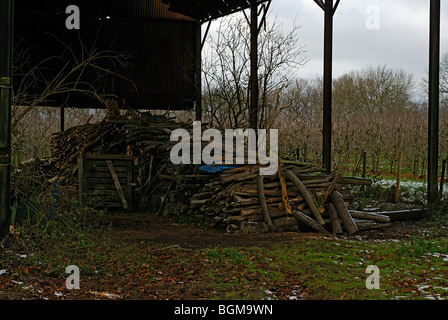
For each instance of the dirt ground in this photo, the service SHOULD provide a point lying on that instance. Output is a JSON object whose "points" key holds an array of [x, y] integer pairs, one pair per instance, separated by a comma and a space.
{"points": [[162, 232]]}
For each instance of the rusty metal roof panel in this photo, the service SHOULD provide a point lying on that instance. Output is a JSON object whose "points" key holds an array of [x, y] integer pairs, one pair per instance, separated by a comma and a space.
{"points": [[160, 45], [128, 8], [206, 10]]}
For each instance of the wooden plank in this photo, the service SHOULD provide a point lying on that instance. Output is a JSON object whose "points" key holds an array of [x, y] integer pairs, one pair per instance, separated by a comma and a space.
{"points": [[100, 163], [108, 186], [107, 175], [117, 184], [103, 157], [94, 169], [92, 181]]}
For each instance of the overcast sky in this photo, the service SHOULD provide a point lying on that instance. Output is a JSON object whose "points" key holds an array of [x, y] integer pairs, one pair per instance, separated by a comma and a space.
{"points": [[397, 36]]}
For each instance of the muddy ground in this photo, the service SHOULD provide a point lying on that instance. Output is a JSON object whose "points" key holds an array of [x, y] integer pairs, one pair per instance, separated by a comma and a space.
{"points": [[162, 232]]}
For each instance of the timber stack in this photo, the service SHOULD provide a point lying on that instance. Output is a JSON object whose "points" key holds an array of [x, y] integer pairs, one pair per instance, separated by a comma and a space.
{"points": [[299, 197], [144, 136]]}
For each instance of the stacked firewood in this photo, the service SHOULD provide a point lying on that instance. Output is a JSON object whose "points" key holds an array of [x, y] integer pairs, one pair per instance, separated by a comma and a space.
{"points": [[299, 197], [143, 135]]}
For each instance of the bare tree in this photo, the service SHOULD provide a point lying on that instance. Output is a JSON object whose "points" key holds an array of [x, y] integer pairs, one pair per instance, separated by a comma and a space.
{"points": [[31, 124], [226, 72]]}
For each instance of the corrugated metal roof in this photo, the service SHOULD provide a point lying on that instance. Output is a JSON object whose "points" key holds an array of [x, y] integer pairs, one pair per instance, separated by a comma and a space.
{"points": [[205, 10], [128, 8], [161, 46]]}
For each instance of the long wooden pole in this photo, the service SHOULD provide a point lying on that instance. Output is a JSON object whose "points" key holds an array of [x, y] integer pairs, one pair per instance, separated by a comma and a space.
{"points": [[328, 81], [198, 72], [433, 101], [253, 111]]}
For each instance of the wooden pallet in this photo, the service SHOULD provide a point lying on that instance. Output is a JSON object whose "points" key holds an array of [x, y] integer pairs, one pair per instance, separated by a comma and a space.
{"points": [[106, 181]]}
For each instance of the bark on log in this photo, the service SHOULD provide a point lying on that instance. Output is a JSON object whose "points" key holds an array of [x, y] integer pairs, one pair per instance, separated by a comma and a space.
{"points": [[331, 187], [307, 197], [404, 215], [309, 222], [254, 227], [263, 204], [335, 224], [343, 212], [373, 226], [369, 216], [285, 224], [284, 189]]}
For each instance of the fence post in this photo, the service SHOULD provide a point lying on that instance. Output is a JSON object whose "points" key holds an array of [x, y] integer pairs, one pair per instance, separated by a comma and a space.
{"points": [[397, 189]]}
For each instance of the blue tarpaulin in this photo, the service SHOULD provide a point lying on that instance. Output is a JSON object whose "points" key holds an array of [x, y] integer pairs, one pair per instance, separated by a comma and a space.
{"points": [[216, 168]]}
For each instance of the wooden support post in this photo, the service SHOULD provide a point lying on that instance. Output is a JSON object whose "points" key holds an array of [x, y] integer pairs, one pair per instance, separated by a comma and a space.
{"points": [[364, 167], [442, 178], [198, 72], [433, 101], [397, 189], [253, 111], [328, 81], [6, 40]]}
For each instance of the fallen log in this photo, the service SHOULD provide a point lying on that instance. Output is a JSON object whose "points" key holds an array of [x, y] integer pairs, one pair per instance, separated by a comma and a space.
{"points": [[355, 181], [309, 222], [343, 212], [254, 227], [284, 190], [285, 224], [372, 226], [335, 223], [306, 196], [404, 215], [369, 216], [264, 206], [331, 187]]}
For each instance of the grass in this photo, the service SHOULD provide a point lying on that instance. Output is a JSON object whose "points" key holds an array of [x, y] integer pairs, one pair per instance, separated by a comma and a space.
{"points": [[317, 269], [415, 268]]}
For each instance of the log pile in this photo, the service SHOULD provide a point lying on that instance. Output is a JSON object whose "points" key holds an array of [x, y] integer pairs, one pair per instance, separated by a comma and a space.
{"points": [[300, 197], [144, 136]]}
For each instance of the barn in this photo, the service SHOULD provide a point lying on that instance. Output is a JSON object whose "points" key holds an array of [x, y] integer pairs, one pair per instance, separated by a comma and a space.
{"points": [[161, 41]]}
